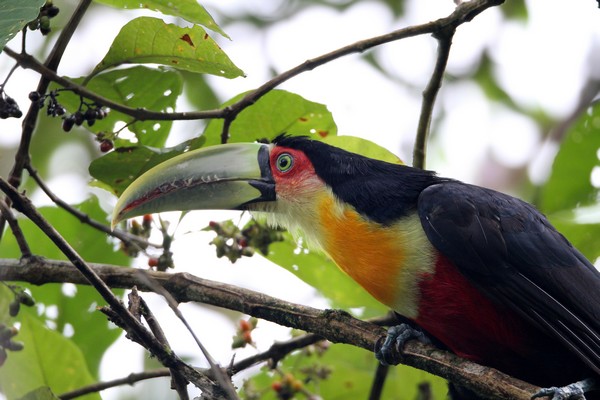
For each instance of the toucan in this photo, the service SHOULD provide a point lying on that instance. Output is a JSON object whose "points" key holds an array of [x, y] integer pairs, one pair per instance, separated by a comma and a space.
{"points": [[481, 272]]}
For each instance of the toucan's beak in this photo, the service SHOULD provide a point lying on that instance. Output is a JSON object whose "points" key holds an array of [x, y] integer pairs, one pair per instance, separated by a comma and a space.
{"points": [[221, 177]]}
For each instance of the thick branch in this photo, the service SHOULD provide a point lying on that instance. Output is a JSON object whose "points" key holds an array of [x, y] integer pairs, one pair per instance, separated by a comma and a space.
{"points": [[335, 326]]}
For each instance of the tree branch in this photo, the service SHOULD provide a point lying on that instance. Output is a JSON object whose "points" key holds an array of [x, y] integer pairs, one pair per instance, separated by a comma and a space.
{"points": [[132, 325], [430, 94], [335, 326], [463, 13]]}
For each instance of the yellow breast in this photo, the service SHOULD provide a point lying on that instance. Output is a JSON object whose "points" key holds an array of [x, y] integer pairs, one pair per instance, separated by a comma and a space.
{"points": [[388, 261]]}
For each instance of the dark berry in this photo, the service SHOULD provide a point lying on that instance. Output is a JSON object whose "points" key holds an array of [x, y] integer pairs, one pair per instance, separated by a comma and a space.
{"points": [[52, 11], [106, 145], [44, 25], [78, 118], [89, 115], [34, 96], [153, 262], [13, 308], [68, 123]]}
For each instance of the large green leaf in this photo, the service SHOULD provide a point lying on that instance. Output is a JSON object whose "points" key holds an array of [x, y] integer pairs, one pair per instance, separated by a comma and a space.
{"points": [[155, 89], [570, 185], [190, 10], [48, 359], [570, 189], [275, 113], [151, 40], [14, 15], [90, 328], [117, 169]]}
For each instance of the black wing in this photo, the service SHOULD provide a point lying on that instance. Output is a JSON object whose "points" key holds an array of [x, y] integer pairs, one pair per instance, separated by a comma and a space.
{"points": [[510, 251]]}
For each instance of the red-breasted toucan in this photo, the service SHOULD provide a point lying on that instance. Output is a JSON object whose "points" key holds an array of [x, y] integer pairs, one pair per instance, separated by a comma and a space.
{"points": [[482, 272]]}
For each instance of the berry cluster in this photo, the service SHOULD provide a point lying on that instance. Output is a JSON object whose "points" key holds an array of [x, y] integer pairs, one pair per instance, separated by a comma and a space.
{"points": [[93, 113], [8, 106], [142, 230], [234, 243], [7, 333], [287, 387], [42, 22], [243, 335]]}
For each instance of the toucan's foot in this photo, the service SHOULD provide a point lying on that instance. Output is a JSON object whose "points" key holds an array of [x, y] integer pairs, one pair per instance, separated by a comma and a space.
{"points": [[388, 353], [574, 391]]}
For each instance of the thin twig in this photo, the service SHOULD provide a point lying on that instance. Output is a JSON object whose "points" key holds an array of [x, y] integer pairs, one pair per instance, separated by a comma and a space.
{"points": [[429, 96], [16, 229], [218, 373], [136, 242], [130, 379], [178, 382], [379, 378]]}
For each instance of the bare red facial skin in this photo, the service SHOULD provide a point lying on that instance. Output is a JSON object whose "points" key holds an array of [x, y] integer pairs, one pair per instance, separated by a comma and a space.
{"points": [[297, 178]]}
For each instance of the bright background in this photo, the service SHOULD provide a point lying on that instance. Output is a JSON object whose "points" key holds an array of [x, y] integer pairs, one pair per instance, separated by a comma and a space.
{"points": [[541, 62]]}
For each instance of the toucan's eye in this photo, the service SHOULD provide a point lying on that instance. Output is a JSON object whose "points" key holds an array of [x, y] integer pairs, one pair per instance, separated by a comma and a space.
{"points": [[285, 161]]}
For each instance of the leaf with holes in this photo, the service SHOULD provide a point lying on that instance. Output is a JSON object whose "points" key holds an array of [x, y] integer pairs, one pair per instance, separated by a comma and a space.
{"points": [[136, 87], [275, 113], [151, 40], [189, 10]]}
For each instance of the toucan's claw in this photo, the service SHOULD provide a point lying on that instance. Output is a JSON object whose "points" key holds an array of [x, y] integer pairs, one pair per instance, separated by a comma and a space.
{"points": [[574, 391], [389, 352]]}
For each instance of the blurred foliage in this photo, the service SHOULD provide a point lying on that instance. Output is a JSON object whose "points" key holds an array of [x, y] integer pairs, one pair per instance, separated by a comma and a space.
{"points": [[70, 337]]}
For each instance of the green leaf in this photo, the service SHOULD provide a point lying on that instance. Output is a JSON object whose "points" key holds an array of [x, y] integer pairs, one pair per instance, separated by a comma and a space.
{"points": [[155, 89], [583, 236], [189, 10], [363, 147], [319, 271], [119, 168], [42, 393], [151, 40], [276, 112], [48, 359], [570, 184], [91, 331], [14, 15]]}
